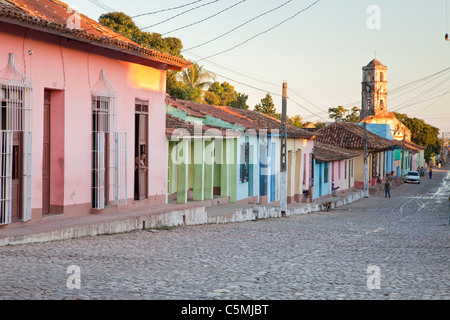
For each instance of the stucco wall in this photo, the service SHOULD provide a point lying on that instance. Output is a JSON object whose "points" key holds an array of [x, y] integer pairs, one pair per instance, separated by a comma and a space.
{"points": [[73, 69]]}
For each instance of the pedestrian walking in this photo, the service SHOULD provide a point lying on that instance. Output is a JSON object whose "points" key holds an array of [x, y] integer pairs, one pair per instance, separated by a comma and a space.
{"points": [[387, 189], [430, 172]]}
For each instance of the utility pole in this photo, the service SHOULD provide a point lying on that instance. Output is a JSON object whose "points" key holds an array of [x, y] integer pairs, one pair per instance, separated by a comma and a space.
{"points": [[283, 174], [366, 166], [403, 154]]}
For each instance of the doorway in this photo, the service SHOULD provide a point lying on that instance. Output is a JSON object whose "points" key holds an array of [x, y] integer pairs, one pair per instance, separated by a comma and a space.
{"points": [[46, 155], [16, 182], [141, 147]]}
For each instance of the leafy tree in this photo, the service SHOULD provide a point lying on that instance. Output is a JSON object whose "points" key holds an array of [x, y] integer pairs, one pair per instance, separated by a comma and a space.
{"points": [[191, 84], [296, 121], [240, 102], [353, 115], [222, 94], [123, 24], [196, 77], [266, 106], [337, 113], [344, 114], [422, 134], [319, 124]]}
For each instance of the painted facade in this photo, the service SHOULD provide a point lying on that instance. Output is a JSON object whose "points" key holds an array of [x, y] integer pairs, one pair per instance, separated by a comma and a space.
{"points": [[351, 136], [333, 168], [91, 90], [255, 152]]}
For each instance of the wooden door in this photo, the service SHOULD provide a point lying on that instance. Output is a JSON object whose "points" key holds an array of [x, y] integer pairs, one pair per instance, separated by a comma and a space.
{"points": [[46, 155]]}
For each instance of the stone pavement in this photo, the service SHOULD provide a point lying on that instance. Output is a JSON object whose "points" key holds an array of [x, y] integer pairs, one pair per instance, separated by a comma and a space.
{"points": [[372, 249], [159, 216]]}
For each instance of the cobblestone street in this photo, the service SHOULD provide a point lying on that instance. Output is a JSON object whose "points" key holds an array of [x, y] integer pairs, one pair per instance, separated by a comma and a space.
{"points": [[323, 255]]}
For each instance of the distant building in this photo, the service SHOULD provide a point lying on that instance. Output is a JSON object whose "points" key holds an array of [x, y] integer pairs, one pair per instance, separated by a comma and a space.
{"points": [[374, 100]]}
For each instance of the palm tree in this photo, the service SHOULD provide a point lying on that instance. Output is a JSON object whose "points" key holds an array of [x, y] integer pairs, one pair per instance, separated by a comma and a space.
{"points": [[196, 79]]}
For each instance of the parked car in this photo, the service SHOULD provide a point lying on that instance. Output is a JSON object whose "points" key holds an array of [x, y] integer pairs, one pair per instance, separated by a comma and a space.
{"points": [[413, 177]]}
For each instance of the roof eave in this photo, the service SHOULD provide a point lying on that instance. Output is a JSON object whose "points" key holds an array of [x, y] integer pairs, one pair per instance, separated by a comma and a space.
{"points": [[61, 31]]}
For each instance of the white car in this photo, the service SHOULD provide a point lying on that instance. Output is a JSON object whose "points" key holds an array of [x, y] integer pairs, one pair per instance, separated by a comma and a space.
{"points": [[413, 177]]}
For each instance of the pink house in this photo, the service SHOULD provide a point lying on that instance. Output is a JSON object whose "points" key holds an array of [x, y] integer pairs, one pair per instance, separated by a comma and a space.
{"points": [[79, 103]]}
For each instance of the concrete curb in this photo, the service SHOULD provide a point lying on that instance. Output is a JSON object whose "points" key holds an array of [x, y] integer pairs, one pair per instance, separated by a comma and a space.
{"points": [[185, 217]]}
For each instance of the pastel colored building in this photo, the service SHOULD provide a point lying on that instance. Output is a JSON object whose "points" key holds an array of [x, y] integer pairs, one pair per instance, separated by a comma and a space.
{"points": [[351, 136], [79, 103], [333, 167], [254, 154]]}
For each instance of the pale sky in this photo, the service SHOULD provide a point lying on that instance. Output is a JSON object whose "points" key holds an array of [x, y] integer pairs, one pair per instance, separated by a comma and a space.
{"points": [[319, 52]]}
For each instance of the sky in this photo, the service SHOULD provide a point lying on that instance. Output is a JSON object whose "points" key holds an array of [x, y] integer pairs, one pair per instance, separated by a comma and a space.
{"points": [[317, 47]]}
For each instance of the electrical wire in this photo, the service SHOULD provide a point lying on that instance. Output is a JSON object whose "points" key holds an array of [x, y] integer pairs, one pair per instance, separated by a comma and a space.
{"points": [[305, 99], [163, 10], [240, 72], [207, 18], [396, 108], [298, 104], [241, 25], [261, 33], [403, 87], [179, 14], [244, 84]]}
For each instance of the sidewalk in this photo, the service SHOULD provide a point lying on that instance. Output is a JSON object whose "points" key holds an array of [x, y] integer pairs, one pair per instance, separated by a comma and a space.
{"points": [[54, 228]]}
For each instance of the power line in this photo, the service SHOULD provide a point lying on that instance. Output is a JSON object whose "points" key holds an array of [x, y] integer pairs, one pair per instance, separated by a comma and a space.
{"points": [[265, 31], [298, 104], [244, 84], [207, 18], [404, 87], [179, 14], [305, 99], [415, 87], [163, 10], [396, 108], [102, 6], [235, 28], [241, 73]]}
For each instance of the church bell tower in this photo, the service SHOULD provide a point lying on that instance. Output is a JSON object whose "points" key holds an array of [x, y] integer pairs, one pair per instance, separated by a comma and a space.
{"points": [[374, 90]]}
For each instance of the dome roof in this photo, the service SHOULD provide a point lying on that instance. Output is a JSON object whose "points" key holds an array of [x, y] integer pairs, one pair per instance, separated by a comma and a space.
{"points": [[375, 63]]}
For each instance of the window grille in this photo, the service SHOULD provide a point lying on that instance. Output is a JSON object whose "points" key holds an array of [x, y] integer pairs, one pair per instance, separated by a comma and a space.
{"points": [[6, 142], [119, 168], [27, 168], [108, 148], [15, 117], [245, 162]]}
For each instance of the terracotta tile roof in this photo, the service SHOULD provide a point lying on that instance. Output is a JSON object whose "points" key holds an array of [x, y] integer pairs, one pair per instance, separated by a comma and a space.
{"points": [[181, 106], [351, 135], [189, 129], [262, 119], [326, 153], [53, 15], [249, 119]]}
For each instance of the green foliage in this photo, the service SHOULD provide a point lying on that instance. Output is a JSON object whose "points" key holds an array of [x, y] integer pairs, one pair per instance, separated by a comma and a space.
{"points": [[196, 77], [189, 84], [296, 121], [240, 102], [123, 24], [186, 85], [422, 134], [319, 124], [345, 115], [266, 106], [223, 94]]}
